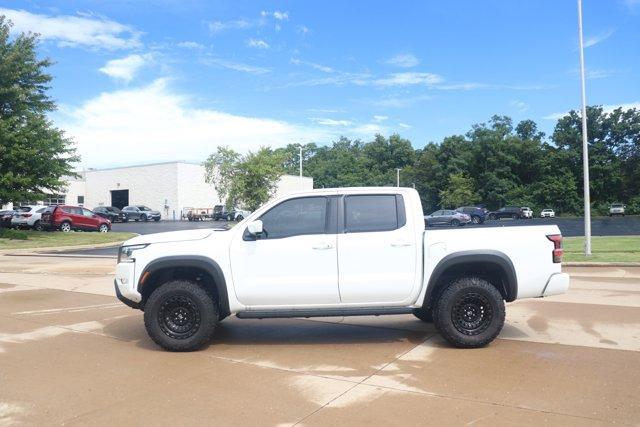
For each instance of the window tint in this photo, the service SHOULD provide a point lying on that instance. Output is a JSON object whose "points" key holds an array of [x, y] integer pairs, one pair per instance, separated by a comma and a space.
{"points": [[370, 213], [87, 212], [307, 215], [41, 210]]}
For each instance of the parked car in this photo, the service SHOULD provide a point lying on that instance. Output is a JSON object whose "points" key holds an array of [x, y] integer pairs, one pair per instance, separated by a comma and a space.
{"points": [[111, 213], [478, 215], [337, 252], [140, 213], [446, 217], [616, 209], [547, 213], [28, 217], [66, 218], [513, 212], [527, 213], [219, 212], [5, 218], [237, 215]]}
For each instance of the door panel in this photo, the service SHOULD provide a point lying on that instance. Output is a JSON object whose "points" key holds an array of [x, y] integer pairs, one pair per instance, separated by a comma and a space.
{"points": [[375, 266], [294, 262]]}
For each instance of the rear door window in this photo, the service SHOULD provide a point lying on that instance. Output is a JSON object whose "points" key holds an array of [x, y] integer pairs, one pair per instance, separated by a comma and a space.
{"points": [[368, 213]]}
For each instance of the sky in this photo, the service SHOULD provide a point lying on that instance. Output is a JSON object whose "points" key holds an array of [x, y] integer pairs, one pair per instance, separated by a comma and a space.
{"points": [[158, 80]]}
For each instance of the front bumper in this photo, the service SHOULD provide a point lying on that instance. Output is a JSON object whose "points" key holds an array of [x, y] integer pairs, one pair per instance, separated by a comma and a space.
{"points": [[557, 284], [125, 285]]}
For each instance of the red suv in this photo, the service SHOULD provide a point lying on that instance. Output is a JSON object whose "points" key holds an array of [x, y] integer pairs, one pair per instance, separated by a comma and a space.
{"points": [[66, 218]]}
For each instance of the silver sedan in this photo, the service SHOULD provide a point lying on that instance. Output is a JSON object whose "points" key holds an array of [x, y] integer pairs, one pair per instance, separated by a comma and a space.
{"points": [[447, 217]]}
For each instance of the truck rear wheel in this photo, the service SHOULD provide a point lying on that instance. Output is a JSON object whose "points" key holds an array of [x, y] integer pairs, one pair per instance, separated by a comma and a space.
{"points": [[469, 313], [180, 316]]}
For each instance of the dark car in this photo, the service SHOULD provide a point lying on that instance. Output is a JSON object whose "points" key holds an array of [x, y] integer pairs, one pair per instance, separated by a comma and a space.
{"points": [[140, 213], [513, 212], [477, 214], [66, 218], [5, 218], [111, 213], [446, 217], [219, 212]]}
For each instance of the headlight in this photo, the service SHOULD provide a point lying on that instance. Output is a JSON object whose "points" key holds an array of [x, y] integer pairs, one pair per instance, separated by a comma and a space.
{"points": [[126, 252]]}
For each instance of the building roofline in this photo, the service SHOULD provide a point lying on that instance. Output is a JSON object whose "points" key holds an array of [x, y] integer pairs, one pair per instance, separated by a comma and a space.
{"points": [[141, 165]]}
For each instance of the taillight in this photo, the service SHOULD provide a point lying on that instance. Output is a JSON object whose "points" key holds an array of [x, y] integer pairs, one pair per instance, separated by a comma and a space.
{"points": [[26, 215], [557, 247]]}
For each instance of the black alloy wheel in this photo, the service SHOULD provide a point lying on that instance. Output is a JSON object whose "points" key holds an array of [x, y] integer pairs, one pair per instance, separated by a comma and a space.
{"points": [[179, 317], [472, 314]]}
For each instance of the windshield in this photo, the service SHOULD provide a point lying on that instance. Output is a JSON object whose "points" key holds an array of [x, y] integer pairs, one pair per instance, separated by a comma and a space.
{"points": [[616, 205], [144, 208], [113, 209]]}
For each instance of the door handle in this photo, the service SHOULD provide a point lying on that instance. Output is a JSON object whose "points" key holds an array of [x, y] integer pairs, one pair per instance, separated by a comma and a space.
{"points": [[322, 246], [400, 244]]}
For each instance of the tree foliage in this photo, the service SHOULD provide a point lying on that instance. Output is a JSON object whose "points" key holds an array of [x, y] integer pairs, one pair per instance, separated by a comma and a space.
{"points": [[34, 155], [247, 181], [495, 164]]}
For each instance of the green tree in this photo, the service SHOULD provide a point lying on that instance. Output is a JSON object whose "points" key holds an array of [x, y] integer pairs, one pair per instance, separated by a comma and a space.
{"points": [[221, 168], [458, 192], [34, 155], [256, 178]]}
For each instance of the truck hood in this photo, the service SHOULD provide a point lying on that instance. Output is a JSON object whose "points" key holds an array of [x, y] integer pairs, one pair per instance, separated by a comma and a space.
{"points": [[171, 236]]}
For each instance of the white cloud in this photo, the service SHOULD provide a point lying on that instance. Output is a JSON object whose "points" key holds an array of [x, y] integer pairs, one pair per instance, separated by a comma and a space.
{"points": [[236, 66], [404, 126], [607, 108], [281, 16], [313, 65], [237, 24], [155, 124], [303, 29], [519, 105], [369, 129], [405, 79], [400, 102], [190, 45], [380, 118], [594, 40], [330, 122], [69, 30], [125, 68], [405, 60], [258, 44]]}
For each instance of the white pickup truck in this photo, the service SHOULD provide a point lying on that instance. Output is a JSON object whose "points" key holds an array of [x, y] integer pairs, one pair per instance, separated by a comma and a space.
{"points": [[337, 252]]}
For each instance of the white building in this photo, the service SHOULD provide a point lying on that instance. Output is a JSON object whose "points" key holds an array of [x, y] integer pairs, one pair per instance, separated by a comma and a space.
{"points": [[167, 187]]}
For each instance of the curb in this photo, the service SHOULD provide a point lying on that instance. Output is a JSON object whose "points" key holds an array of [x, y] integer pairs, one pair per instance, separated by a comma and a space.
{"points": [[600, 264], [60, 248]]}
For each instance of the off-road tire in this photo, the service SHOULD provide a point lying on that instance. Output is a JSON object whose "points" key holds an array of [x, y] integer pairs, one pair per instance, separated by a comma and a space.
{"points": [[423, 314], [158, 312], [462, 296]]}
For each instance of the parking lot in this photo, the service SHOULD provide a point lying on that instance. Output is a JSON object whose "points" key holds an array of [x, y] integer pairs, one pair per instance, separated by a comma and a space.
{"points": [[71, 353]]}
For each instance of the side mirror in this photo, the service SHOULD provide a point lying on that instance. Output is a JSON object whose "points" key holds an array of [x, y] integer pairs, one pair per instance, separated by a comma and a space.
{"points": [[255, 227]]}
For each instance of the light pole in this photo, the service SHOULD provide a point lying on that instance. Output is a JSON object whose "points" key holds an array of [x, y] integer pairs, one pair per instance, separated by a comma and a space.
{"points": [[397, 177], [585, 143]]}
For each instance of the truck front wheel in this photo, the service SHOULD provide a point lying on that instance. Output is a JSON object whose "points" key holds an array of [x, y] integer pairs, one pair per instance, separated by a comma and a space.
{"points": [[469, 313], [180, 316]]}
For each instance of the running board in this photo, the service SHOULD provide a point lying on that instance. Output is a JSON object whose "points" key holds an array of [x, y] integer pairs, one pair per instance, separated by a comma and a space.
{"points": [[323, 312]]}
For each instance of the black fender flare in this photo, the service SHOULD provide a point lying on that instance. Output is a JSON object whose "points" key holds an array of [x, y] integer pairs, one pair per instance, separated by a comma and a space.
{"points": [[195, 261], [483, 256]]}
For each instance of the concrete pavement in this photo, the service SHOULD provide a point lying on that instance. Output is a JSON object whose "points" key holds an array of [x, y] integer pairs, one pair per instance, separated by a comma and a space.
{"points": [[70, 353]]}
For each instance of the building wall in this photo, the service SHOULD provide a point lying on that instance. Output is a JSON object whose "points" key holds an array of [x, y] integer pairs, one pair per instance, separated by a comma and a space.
{"points": [[166, 187], [155, 186], [193, 191]]}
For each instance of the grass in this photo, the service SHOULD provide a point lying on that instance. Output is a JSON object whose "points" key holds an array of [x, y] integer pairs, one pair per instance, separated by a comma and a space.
{"points": [[603, 249], [43, 239]]}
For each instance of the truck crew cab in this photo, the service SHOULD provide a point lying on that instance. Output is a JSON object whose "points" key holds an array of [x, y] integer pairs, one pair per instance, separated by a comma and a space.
{"points": [[337, 252]]}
